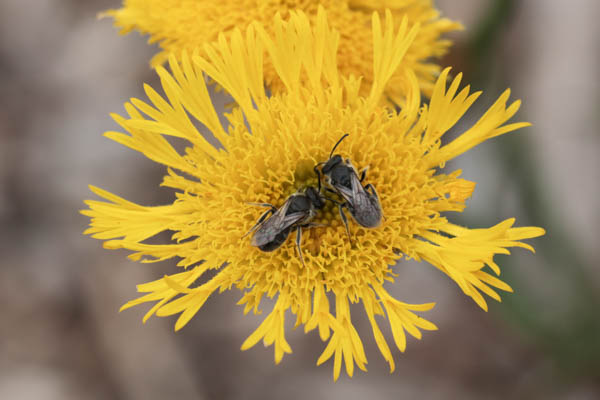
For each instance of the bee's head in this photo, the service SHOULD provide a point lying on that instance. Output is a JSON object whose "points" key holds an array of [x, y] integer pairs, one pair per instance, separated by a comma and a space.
{"points": [[315, 198], [331, 163]]}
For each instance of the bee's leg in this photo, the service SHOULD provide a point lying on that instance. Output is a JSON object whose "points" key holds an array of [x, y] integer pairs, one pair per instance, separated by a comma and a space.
{"points": [[271, 206], [342, 215], [316, 169], [345, 220], [298, 240], [260, 221], [332, 200], [373, 191], [363, 173], [315, 225]]}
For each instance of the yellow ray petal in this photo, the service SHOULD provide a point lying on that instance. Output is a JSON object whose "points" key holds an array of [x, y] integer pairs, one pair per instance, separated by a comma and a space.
{"points": [[463, 255]]}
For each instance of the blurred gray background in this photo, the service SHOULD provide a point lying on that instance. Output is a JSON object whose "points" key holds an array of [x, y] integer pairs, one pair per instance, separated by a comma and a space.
{"points": [[62, 71]]}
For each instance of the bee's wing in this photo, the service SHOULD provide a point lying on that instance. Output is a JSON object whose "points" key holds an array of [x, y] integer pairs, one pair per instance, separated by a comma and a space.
{"points": [[345, 192], [367, 211], [274, 225], [279, 216], [355, 195]]}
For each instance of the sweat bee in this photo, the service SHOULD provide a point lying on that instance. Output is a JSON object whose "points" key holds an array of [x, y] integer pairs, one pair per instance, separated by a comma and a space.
{"points": [[274, 225], [361, 201]]}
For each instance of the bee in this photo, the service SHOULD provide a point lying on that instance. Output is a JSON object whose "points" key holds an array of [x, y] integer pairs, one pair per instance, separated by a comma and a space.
{"points": [[362, 201], [275, 225]]}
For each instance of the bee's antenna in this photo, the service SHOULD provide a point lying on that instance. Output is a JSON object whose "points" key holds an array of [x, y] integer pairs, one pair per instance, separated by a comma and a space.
{"points": [[336, 145]]}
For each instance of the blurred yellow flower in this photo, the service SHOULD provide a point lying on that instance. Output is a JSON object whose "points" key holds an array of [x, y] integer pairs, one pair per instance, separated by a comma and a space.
{"points": [[179, 25], [268, 151]]}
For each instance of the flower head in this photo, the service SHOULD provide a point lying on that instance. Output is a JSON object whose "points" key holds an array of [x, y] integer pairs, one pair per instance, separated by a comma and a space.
{"points": [[268, 152], [180, 25]]}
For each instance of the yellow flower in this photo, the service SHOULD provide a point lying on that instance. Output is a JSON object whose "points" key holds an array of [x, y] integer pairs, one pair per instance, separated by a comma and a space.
{"points": [[268, 152], [179, 25]]}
